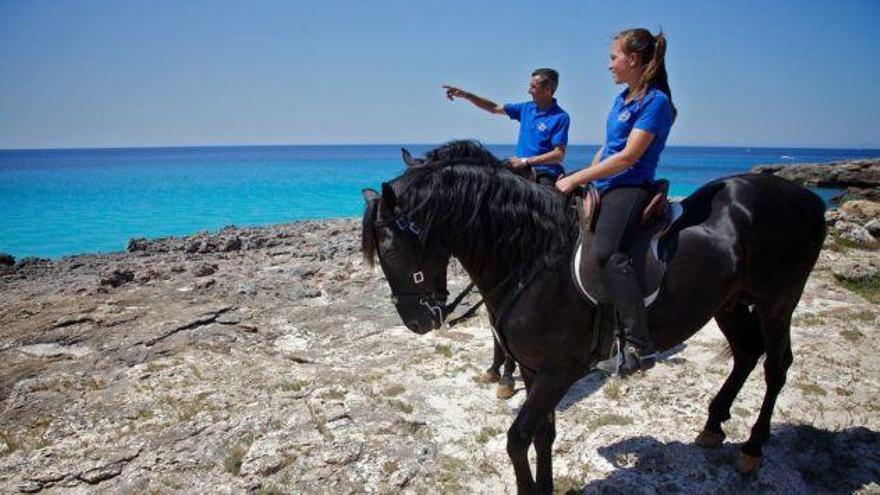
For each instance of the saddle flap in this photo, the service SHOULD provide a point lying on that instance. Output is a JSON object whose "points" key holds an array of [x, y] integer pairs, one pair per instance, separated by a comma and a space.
{"points": [[588, 209], [658, 205]]}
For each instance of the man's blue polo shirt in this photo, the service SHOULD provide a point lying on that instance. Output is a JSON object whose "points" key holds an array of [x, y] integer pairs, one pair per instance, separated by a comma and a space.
{"points": [[539, 131], [653, 113]]}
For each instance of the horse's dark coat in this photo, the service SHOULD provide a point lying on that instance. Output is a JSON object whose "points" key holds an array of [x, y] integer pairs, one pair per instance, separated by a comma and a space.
{"points": [[744, 250]]}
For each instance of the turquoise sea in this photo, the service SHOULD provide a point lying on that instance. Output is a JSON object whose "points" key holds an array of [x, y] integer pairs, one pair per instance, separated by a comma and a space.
{"points": [[60, 202]]}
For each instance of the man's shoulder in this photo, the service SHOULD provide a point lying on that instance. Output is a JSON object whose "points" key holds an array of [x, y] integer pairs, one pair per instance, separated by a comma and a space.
{"points": [[559, 112]]}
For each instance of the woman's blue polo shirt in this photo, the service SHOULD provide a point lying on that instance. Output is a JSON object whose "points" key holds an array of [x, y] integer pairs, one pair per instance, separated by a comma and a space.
{"points": [[651, 113], [539, 131]]}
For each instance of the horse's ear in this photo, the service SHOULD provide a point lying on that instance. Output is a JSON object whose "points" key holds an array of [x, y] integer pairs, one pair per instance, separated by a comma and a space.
{"points": [[389, 198], [408, 159], [370, 195]]}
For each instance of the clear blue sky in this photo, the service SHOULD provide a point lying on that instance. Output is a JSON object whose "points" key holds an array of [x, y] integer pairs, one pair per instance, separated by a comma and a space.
{"points": [[108, 73]]}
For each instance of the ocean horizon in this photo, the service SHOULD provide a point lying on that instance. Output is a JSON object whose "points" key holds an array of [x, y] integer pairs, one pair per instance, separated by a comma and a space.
{"points": [[59, 202]]}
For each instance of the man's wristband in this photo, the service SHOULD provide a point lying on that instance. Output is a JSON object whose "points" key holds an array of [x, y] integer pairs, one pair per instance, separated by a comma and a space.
{"points": [[523, 161]]}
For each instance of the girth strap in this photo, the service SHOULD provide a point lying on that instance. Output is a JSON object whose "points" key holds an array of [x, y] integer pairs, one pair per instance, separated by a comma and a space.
{"points": [[497, 319]]}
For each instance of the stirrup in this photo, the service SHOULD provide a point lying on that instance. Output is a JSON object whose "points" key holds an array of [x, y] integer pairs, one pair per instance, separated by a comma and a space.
{"points": [[627, 362]]}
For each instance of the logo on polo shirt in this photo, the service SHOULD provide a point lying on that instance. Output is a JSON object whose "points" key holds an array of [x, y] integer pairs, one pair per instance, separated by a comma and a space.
{"points": [[542, 126], [623, 116]]}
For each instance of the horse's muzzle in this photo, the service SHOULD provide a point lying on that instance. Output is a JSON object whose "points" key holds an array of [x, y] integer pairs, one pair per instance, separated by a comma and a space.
{"points": [[418, 328], [423, 317]]}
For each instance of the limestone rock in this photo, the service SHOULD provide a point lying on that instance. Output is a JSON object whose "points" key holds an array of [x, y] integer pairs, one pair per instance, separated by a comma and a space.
{"points": [[117, 277], [231, 244], [247, 381], [137, 244], [860, 211], [855, 234], [856, 270], [873, 228], [203, 269], [847, 173]]}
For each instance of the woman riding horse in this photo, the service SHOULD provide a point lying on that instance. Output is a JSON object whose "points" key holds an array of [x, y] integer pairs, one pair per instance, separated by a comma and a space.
{"points": [[623, 170]]}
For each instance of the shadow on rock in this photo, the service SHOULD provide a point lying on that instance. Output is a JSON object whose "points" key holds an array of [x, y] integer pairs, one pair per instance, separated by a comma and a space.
{"points": [[592, 382], [797, 459]]}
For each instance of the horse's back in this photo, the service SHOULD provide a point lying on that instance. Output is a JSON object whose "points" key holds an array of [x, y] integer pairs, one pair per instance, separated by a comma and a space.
{"points": [[774, 227]]}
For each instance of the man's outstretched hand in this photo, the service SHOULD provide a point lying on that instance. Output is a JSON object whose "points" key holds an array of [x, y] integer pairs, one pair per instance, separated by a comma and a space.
{"points": [[453, 92]]}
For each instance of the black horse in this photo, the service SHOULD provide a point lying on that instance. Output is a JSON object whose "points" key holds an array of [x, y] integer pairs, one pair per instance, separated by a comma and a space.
{"points": [[745, 247]]}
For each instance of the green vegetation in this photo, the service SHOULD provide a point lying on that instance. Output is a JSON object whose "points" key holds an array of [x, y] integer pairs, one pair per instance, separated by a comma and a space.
{"points": [[741, 412], [186, 410], [851, 335], [294, 386], [401, 406], [611, 390], [811, 389], [390, 467], [608, 420], [842, 244], [450, 472], [487, 433], [865, 316], [145, 414], [807, 320], [333, 394], [444, 350], [868, 288], [196, 371], [394, 390], [269, 489], [235, 456]]}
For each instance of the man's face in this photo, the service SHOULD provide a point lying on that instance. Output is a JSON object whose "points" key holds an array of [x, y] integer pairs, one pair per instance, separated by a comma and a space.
{"points": [[539, 92]]}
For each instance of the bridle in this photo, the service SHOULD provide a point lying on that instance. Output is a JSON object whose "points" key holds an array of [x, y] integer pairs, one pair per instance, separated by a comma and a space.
{"points": [[419, 294]]}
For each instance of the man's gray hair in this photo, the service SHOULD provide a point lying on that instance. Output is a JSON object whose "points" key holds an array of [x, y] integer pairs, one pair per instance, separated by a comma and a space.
{"points": [[547, 77]]}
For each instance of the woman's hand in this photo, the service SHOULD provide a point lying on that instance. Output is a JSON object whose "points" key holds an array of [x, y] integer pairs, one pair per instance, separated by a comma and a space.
{"points": [[566, 184]]}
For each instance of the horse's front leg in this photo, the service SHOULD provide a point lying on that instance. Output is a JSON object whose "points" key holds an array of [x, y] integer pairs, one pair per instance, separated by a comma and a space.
{"points": [[545, 389]]}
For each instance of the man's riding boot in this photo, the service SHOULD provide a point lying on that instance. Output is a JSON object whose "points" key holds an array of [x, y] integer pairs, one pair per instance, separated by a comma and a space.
{"points": [[638, 353]]}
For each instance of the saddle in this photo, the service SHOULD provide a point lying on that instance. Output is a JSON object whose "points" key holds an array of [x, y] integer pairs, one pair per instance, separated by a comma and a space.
{"points": [[656, 221]]}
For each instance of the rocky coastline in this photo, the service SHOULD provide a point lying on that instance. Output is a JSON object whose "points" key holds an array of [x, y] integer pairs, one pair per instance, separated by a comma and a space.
{"points": [[270, 360], [859, 179]]}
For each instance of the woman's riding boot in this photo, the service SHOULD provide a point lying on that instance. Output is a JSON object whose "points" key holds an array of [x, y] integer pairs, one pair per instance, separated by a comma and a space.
{"points": [[625, 292]]}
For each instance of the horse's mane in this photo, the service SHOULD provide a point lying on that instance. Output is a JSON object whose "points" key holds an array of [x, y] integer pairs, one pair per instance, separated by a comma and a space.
{"points": [[368, 239], [463, 195]]}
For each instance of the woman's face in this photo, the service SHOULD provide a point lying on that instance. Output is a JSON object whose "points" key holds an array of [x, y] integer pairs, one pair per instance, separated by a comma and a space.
{"points": [[623, 67]]}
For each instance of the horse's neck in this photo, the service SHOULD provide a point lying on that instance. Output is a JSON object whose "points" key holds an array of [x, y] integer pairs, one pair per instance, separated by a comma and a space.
{"points": [[489, 276]]}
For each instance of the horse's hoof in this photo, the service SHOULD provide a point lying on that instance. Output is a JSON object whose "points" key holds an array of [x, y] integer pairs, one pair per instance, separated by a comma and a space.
{"points": [[504, 391], [709, 439], [505, 388], [489, 376], [747, 464]]}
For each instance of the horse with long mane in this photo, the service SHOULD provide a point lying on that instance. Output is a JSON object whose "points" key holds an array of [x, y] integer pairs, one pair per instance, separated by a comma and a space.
{"points": [[745, 248]]}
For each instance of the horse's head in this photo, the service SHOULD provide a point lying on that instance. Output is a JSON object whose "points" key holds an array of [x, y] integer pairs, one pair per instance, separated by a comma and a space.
{"points": [[415, 270]]}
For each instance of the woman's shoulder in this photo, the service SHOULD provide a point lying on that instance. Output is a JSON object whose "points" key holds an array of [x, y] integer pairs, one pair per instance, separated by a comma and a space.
{"points": [[654, 93]]}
